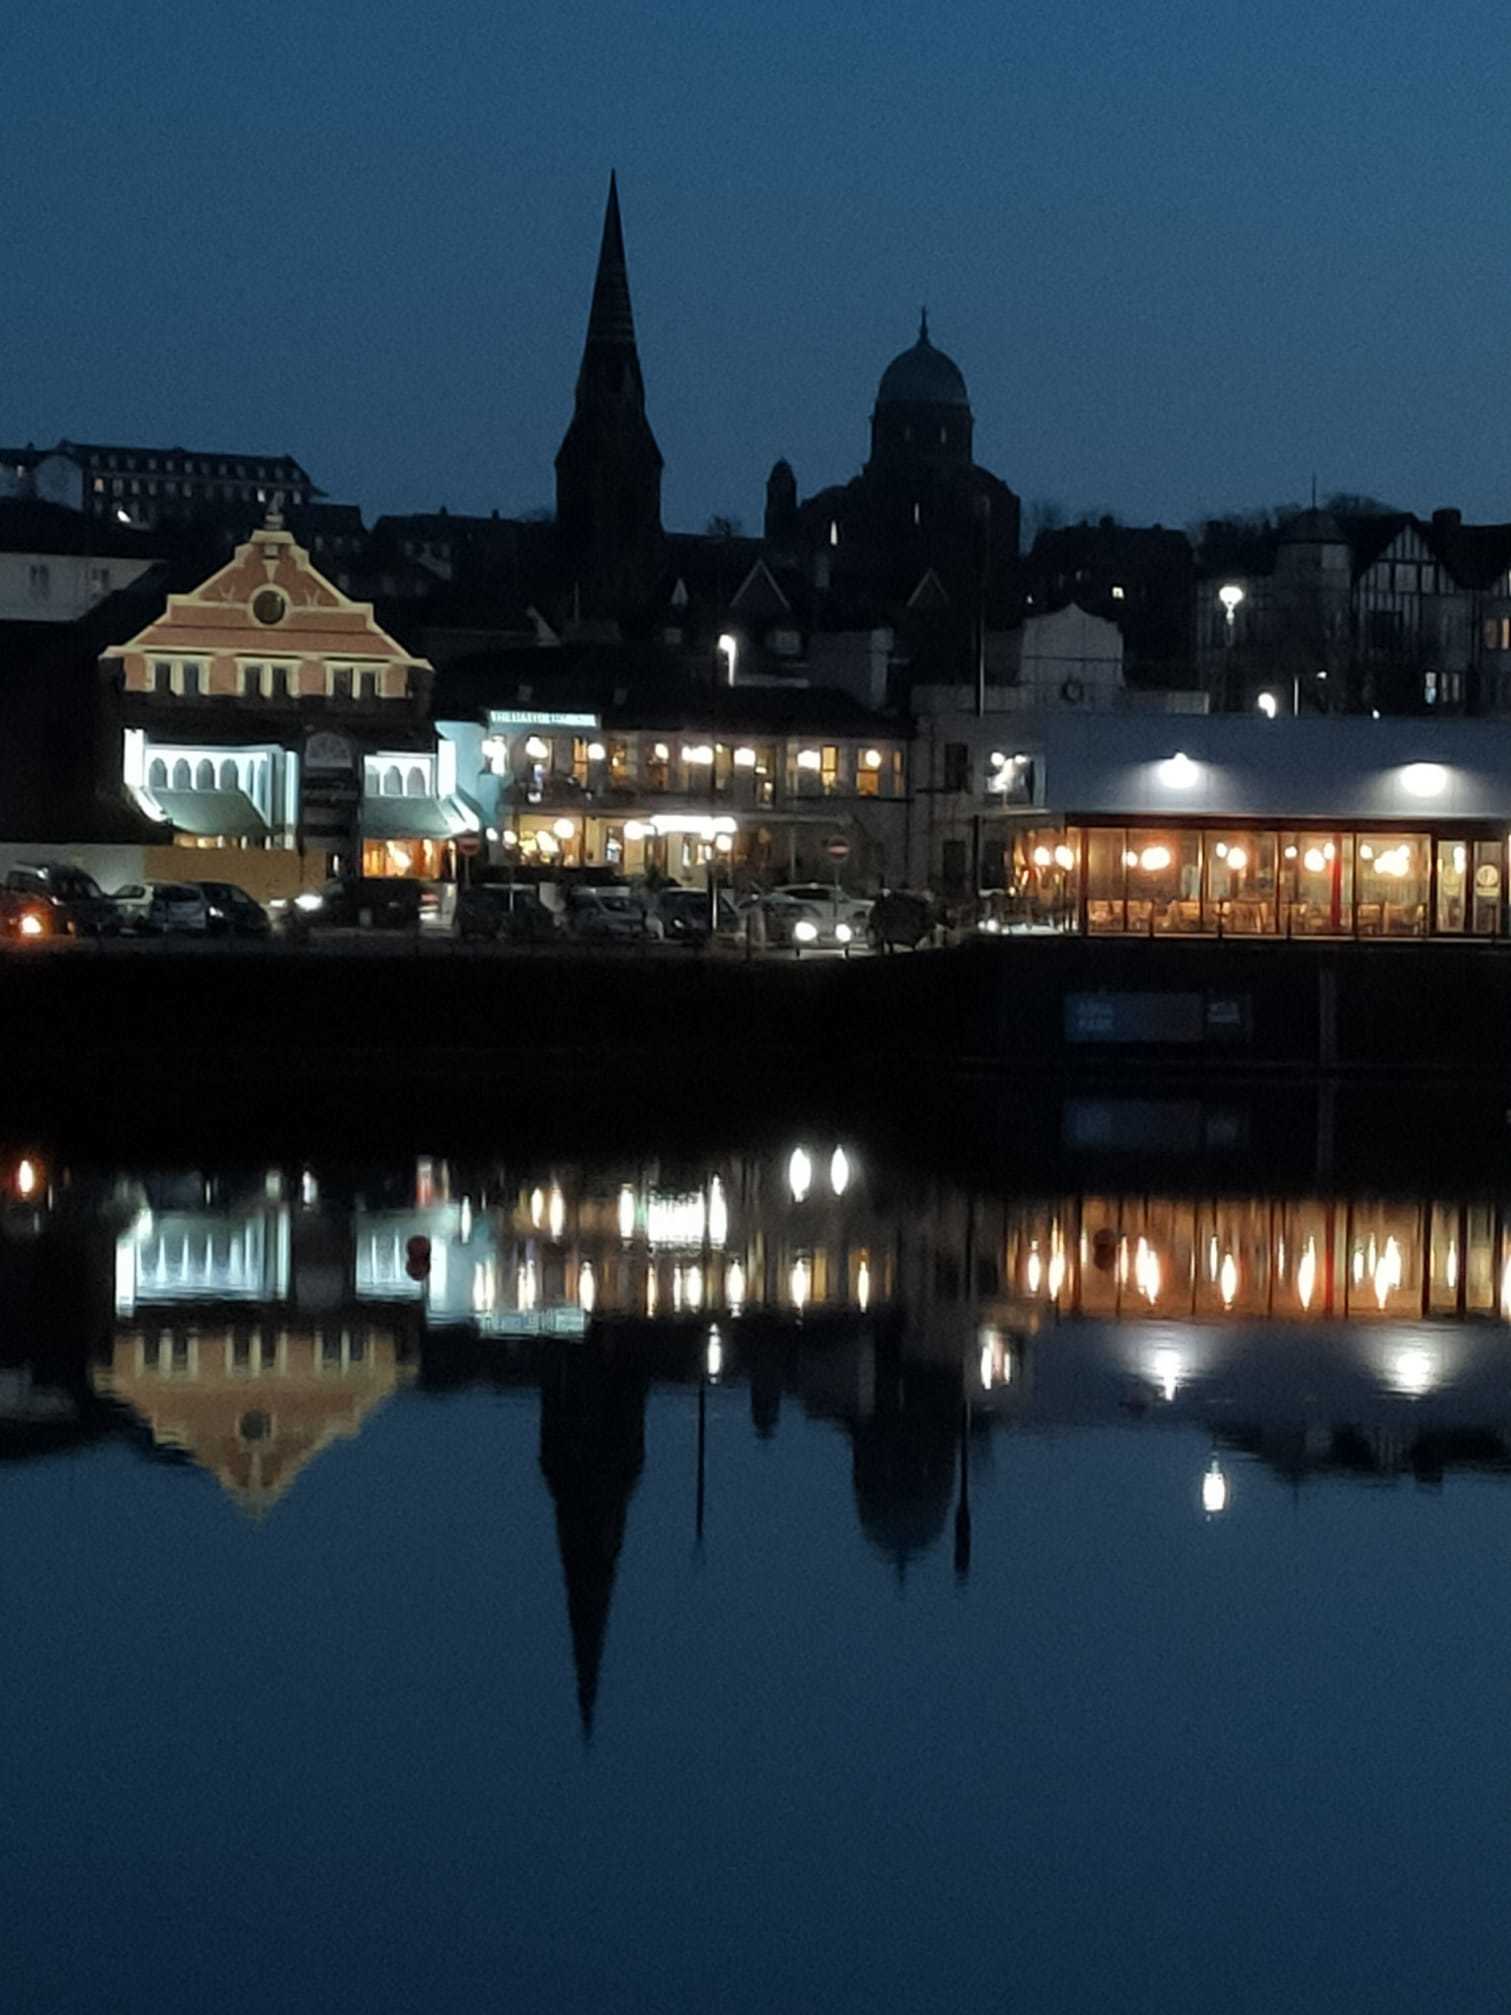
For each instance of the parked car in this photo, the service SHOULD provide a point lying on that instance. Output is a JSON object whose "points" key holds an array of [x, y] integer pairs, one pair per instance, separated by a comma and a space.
{"points": [[900, 917], [26, 921], [681, 916], [74, 900], [378, 902], [604, 914], [161, 909], [233, 913], [189, 909], [510, 910], [815, 913]]}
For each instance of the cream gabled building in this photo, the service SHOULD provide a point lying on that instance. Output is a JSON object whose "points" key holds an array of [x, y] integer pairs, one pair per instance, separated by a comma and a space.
{"points": [[269, 720]]}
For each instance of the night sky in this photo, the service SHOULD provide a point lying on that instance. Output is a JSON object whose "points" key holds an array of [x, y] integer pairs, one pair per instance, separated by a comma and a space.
{"points": [[1187, 256]]}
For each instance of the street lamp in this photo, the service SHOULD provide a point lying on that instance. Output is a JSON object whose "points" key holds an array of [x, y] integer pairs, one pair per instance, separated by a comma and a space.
{"points": [[1230, 595], [1268, 705], [729, 650]]}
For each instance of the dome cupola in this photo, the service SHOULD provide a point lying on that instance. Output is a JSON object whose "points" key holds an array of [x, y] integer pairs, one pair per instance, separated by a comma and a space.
{"points": [[922, 376], [923, 411]]}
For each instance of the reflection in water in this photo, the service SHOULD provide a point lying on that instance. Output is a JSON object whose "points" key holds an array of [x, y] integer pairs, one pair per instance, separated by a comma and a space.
{"points": [[246, 1325]]}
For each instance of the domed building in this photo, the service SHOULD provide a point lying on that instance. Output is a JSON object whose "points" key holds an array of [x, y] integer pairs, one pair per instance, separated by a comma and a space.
{"points": [[922, 540], [922, 411]]}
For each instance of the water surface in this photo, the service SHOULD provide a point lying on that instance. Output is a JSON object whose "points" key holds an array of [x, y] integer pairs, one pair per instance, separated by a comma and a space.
{"points": [[775, 1580]]}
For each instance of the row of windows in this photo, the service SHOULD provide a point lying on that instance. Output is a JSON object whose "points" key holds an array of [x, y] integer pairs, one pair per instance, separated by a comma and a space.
{"points": [[169, 1354], [821, 769], [133, 486], [190, 465], [39, 581], [191, 678], [200, 776]]}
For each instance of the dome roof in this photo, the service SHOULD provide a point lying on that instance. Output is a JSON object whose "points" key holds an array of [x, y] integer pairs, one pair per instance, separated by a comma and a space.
{"points": [[922, 376]]}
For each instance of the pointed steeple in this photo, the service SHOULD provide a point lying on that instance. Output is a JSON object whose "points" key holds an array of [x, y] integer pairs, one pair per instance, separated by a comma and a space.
{"points": [[592, 1445], [608, 468], [611, 319]]}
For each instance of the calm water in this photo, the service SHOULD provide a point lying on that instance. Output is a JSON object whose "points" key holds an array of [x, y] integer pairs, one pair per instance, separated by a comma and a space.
{"points": [[774, 1581]]}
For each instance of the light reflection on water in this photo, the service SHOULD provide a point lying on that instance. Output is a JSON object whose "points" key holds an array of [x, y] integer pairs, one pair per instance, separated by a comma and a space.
{"points": [[849, 1458], [258, 1319]]}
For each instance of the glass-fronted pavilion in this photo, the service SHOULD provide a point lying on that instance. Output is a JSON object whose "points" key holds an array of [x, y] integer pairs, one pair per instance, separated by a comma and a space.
{"points": [[1239, 826]]}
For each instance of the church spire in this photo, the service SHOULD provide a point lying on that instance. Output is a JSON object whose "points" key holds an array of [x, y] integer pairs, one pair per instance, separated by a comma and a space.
{"points": [[608, 468], [592, 1446], [611, 318]]}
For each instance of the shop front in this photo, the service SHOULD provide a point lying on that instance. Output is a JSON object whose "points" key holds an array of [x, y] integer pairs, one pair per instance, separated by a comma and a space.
{"points": [[1229, 878]]}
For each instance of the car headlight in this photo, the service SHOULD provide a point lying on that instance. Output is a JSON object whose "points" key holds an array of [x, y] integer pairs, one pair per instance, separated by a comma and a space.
{"points": [[30, 925], [843, 934], [804, 931], [309, 901]]}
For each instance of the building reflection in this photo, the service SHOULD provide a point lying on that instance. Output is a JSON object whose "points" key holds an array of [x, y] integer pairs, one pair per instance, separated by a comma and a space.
{"points": [[244, 1325]]}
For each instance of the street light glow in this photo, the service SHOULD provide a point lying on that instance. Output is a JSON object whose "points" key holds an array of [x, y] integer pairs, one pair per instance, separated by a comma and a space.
{"points": [[1268, 705]]}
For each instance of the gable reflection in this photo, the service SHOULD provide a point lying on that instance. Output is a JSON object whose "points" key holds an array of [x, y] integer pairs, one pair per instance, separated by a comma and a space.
{"points": [[244, 1326]]}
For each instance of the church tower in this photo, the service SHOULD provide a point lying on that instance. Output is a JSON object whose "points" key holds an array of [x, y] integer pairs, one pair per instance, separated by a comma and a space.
{"points": [[608, 468]]}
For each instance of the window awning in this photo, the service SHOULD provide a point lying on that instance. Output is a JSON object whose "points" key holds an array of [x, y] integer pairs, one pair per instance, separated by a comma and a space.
{"points": [[227, 815], [413, 818]]}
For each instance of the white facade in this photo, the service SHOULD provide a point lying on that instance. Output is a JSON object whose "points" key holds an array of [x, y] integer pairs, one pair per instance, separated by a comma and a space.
{"points": [[1245, 766], [60, 587], [1072, 659]]}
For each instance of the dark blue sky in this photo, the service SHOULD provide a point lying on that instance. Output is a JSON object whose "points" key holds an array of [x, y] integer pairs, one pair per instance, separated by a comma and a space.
{"points": [[1186, 256]]}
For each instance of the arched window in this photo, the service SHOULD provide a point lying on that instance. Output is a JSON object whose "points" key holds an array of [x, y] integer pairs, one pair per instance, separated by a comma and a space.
{"points": [[393, 782], [181, 775], [416, 785], [229, 781], [204, 774], [157, 774]]}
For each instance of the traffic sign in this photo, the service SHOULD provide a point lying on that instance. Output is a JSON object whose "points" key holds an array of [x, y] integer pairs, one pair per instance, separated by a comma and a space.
{"points": [[837, 849], [468, 843]]}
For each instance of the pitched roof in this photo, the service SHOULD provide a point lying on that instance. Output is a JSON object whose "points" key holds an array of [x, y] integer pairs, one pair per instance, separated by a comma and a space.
{"points": [[31, 525]]}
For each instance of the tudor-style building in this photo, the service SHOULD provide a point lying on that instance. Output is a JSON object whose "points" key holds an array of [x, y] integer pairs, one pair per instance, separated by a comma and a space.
{"points": [[267, 718], [1337, 613]]}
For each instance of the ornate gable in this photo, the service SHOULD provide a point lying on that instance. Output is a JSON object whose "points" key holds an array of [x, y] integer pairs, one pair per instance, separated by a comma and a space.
{"points": [[269, 600]]}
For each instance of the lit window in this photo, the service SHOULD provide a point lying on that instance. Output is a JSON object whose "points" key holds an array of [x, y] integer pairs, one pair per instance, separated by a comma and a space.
{"points": [[834, 531], [1118, 595]]}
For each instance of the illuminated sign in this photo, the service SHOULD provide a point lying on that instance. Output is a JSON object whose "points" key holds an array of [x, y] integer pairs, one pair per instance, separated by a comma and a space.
{"points": [[526, 717]]}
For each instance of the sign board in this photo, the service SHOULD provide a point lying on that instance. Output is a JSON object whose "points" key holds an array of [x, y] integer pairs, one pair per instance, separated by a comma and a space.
{"points": [[325, 751], [837, 849], [538, 717], [1187, 1018]]}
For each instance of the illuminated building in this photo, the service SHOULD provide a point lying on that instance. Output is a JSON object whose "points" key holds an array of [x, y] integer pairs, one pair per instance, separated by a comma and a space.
{"points": [[1242, 826], [269, 723]]}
